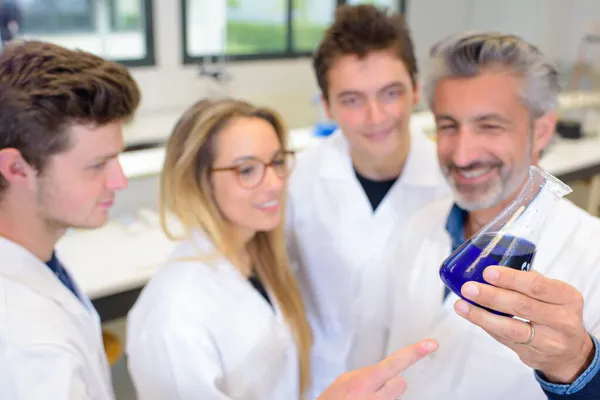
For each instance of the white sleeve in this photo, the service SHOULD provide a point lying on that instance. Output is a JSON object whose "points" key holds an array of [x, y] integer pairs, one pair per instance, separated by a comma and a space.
{"points": [[180, 366], [45, 372]]}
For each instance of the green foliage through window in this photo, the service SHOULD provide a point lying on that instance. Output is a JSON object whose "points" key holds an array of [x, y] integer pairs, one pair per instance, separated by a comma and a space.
{"points": [[255, 28]]}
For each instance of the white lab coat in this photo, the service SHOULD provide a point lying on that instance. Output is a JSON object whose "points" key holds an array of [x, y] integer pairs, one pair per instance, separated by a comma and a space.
{"points": [[470, 364], [338, 246], [50, 342], [200, 330]]}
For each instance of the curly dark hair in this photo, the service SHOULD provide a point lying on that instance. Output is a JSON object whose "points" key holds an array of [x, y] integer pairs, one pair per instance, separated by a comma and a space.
{"points": [[359, 30], [45, 88]]}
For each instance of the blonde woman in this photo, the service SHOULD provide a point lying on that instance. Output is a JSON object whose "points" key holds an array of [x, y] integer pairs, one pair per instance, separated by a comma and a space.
{"points": [[223, 319]]}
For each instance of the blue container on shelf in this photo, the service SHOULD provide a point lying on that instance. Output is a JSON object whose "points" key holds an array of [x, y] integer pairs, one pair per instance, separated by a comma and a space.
{"points": [[324, 128]]}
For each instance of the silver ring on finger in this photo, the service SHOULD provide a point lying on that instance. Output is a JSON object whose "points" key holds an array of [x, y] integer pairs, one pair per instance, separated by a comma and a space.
{"points": [[531, 336]]}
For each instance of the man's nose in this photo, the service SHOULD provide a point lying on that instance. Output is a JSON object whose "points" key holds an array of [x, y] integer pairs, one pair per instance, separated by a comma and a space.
{"points": [[466, 149], [376, 112]]}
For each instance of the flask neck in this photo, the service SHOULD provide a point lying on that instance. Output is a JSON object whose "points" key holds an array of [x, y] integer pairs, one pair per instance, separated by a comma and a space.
{"points": [[527, 214]]}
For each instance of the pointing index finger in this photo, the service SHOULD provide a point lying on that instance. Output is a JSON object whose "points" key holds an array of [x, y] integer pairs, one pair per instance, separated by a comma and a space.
{"points": [[397, 362]]}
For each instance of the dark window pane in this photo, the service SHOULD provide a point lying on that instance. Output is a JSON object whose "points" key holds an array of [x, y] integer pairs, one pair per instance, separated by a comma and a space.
{"points": [[115, 29], [57, 16]]}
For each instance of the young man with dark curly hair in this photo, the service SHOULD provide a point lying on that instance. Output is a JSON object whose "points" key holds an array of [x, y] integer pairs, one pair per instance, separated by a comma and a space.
{"points": [[351, 194], [61, 118]]}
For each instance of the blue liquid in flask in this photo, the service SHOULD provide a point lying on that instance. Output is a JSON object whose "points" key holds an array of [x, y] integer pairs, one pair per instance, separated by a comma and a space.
{"points": [[467, 263]]}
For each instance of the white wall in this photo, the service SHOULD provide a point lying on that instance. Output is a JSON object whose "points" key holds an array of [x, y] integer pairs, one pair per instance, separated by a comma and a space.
{"points": [[555, 26], [430, 20]]}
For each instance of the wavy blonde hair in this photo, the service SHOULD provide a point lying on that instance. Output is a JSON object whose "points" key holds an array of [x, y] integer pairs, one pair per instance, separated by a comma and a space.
{"points": [[186, 192]]}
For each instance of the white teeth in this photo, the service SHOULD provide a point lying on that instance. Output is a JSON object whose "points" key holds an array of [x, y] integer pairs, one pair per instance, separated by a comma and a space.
{"points": [[476, 173], [268, 204]]}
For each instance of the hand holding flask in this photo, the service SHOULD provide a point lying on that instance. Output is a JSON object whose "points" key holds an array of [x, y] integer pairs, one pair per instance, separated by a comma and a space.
{"points": [[511, 238]]}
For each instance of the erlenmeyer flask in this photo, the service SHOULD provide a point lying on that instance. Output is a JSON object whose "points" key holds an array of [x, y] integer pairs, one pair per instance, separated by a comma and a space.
{"points": [[510, 239]]}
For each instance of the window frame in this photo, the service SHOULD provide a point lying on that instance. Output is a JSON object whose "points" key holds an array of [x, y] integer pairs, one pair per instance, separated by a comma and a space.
{"points": [[288, 53], [147, 29]]}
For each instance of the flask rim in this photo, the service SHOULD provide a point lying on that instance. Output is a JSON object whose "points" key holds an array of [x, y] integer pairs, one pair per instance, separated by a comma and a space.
{"points": [[557, 187]]}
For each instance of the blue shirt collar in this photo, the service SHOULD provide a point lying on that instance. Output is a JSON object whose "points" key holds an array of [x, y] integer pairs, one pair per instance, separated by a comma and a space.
{"points": [[455, 226], [61, 273], [54, 265]]}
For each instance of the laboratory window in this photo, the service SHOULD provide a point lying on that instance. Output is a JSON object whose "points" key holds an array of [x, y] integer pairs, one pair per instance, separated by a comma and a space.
{"points": [[119, 30], [256, 29]]}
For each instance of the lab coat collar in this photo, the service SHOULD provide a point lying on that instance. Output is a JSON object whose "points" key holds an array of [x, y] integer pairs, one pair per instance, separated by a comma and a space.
{"points": [[198, 245], [335, 162], [421, 167], [20, 265]]}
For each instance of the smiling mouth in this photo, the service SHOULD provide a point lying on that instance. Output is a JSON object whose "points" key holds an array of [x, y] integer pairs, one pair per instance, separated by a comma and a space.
{"points": [[268, 204], [474, 173], [382, 134], [107, 203]]}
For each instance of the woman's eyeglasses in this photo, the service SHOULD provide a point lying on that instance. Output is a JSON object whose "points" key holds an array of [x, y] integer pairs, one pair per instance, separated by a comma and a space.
{"points": [[251, 171]]}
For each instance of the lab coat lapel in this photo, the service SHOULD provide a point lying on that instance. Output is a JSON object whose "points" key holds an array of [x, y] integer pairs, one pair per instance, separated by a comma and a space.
{"points": [[339, 165], [416, 288], [94, 326], [421, 172], [200, 246], [31, 272], [355, 215], [249, 294], [338, 172], [371, 230], [28, 270]]}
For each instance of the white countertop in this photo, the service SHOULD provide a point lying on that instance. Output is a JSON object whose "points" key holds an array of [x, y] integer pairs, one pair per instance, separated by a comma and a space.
{"points": [[565, 156], [114, 258], [122, 256]]}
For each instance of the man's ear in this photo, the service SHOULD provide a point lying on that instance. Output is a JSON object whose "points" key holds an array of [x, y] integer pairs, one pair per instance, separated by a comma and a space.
{"points": [[14, 168], [416, 93], [326, 107], [543, 130]]}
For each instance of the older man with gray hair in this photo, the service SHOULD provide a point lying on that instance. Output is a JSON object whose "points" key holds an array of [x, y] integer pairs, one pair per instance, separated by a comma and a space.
{"points": [[494, 98]]}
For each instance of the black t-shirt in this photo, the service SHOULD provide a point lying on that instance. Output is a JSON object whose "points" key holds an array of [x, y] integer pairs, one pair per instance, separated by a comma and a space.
{"points": [[258, 285], [375, 190]]}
